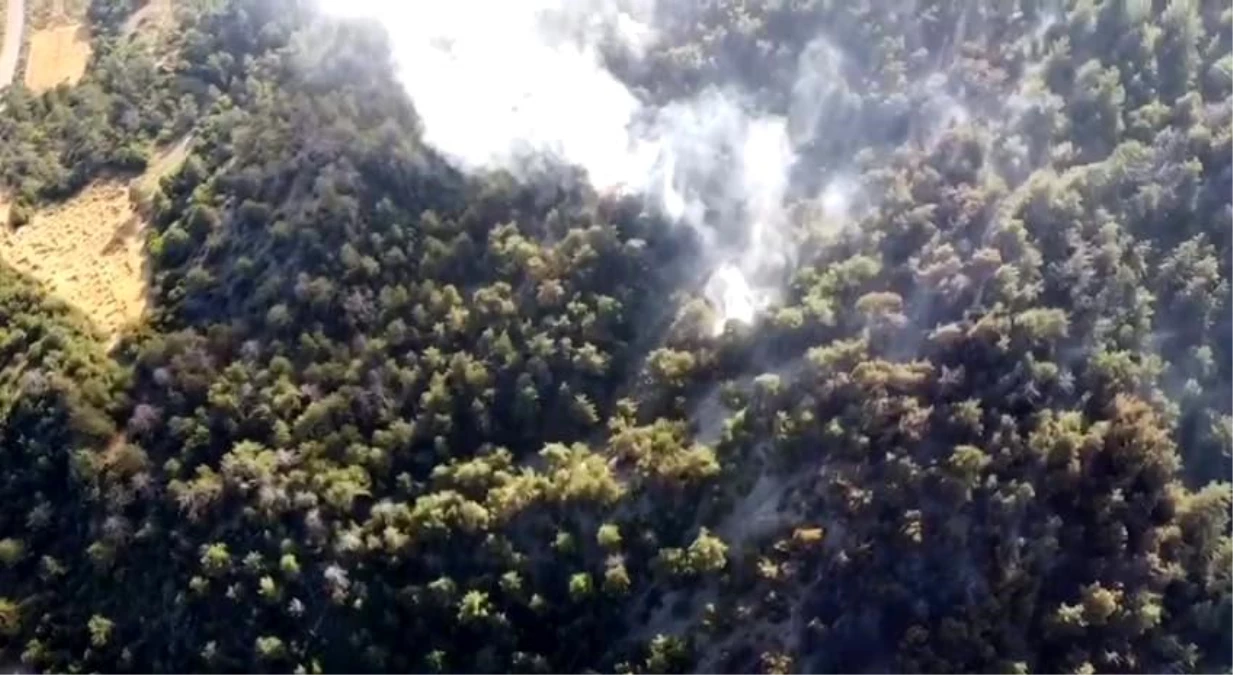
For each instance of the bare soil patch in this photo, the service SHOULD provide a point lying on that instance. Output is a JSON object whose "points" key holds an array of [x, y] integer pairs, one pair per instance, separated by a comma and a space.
{"points": [[89, 252], [57, 55]]}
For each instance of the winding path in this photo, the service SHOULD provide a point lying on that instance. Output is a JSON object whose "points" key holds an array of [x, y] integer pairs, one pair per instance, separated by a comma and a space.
{"points": [[14, 26]]}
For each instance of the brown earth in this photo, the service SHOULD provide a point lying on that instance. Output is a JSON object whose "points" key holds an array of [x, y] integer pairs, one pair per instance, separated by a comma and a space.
{"points": [[57, 55], [13, 18], [87, 251], [90, 250]]}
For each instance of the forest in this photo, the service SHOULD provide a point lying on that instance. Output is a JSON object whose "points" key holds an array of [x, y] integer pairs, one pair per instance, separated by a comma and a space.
{"points": [[387, 412]]}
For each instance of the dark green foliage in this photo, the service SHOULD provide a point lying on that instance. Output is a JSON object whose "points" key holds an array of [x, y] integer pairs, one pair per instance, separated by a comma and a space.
{"points": [[385, 416]]}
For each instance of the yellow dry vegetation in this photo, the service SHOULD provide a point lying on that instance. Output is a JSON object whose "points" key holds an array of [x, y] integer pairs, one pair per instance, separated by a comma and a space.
{"points": [[87, 251], [90, 250], [57, 55]]}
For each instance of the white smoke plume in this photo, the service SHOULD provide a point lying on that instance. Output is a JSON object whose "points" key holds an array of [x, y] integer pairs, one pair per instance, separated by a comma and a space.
{"points": [[818, 82], [497, 80]]}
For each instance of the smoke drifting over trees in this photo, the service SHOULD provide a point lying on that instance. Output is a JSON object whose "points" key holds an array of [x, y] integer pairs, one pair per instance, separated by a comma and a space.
{"points": [[545, 336], [538, 86]]}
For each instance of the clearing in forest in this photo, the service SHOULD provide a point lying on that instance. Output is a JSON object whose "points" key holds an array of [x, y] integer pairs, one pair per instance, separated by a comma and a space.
{"points": [[57, 55], [90, 250]]}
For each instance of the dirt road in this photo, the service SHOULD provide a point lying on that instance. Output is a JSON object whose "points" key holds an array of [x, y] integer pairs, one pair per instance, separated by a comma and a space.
{"points": [[14, 26]]}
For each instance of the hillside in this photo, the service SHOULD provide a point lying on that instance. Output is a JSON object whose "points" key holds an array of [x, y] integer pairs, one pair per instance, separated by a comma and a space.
{"points": [[618, 336]]}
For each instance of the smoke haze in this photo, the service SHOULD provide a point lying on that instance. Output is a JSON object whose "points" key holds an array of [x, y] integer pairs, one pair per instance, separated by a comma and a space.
{"points": [[496, 81], [499, 81]]}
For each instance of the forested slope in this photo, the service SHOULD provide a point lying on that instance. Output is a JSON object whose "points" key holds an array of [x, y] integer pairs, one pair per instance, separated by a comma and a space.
{"points": [[388, 414]]}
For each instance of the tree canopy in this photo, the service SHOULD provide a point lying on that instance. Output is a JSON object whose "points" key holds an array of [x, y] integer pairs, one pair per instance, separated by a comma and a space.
{"points": [[388, 415]]}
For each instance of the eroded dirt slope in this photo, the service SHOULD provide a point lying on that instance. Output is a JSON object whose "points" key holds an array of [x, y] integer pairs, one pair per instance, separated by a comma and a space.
{"points": [[87, 251], [57, 55], [59, 44], [90, 250]]}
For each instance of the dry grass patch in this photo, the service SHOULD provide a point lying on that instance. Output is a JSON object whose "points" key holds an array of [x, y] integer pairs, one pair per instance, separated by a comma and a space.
{"points": [[57, 55], [90, 250], [87, 251]]}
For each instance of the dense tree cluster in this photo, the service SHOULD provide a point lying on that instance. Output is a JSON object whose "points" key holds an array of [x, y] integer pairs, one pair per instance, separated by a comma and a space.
{"points": [[385, 416]]}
